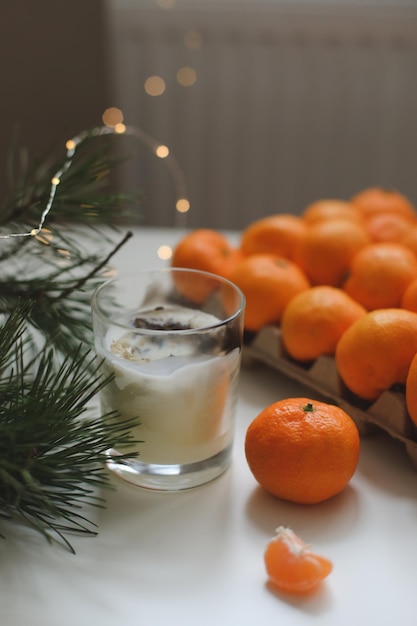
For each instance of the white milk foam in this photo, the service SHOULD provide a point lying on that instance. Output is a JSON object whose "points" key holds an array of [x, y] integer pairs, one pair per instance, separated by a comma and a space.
{"points": [[183, 399]]}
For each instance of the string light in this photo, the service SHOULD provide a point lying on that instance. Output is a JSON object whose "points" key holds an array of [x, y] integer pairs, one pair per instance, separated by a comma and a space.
{"points": [[154, 86], [162, 152], [164, 252], [186, 76], [116, 126], [112, 117], [45, 236], [183, 205]]}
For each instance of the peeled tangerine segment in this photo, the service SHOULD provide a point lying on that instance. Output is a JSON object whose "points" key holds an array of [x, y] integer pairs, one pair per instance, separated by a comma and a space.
{"points": [[291, 564]]}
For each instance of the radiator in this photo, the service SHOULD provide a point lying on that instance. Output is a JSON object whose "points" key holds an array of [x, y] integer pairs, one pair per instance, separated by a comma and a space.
{"points": [[291, 103]]}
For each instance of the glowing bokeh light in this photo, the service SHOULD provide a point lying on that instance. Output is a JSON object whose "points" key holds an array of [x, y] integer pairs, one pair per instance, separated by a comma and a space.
{"points": [[186, 76], [162, 152], [182, 205], [112, 117], [164, 252], [154, 86]]}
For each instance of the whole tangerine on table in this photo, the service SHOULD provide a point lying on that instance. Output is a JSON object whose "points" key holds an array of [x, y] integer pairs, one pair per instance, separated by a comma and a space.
{"points": [[383, 200], [206, 250], [327, 248], [268, 283], [388, 226], [409, 239], [409, 297], [274, 234], [302, 450], [329, 209], [375, 353], [379, 274], [315, 319], [411, 390], [293, 566]]}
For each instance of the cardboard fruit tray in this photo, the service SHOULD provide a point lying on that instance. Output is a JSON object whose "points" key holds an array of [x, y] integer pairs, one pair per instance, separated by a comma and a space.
{"points": [[321, 378]]}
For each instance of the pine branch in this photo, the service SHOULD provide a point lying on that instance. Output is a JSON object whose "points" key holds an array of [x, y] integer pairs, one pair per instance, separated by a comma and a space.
{"points": [[84, 193], [61, 299], [52, 449], [52, 454]]}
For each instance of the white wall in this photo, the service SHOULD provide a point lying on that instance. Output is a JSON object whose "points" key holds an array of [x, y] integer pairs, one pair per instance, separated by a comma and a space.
{"points": [[293, 101]]}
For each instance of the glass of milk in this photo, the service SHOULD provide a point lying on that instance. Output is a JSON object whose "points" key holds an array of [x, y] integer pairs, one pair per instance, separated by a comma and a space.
{"points": [[171, 339]]}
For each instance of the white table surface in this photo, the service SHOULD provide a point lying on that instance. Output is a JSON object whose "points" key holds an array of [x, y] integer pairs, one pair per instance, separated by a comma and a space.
{"points": [[196, 557]]}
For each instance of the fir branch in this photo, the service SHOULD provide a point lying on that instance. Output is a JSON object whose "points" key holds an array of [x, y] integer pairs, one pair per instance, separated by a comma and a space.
{"points": [[82, 281], [53, 271], [61, 299], [52, 454], [83, 194], [52, 451]]}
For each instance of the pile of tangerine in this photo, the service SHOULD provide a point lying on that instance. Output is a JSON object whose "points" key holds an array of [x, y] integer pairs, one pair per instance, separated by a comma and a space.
{"points": [[339, 279]]}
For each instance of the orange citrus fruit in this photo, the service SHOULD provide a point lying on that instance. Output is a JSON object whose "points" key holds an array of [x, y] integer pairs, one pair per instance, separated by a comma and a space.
{"points": [[387, 226], [274, 234], [379, 275], [207, 250], [379, 200], [376, 351], [325, 251], [268, 283], [411, 390], [409, 239], [328, 209], [409, 297], [292, 566], [315, 319], [302, 450]]}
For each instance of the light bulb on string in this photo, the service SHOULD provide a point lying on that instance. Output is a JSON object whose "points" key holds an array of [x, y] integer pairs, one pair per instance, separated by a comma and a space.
{"points": [[116, 127]]}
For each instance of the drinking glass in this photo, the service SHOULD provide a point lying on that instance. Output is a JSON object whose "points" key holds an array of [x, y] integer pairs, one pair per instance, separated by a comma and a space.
{"points": [[171, 339]]}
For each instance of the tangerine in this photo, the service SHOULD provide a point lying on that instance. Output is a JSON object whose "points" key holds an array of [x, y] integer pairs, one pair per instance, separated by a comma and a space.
{"points": [[328, 209], [327, 248], [411, 390], [380, 200], [409, 297], [315, 319], [387, 226], [292, 566], [409, 239], [376, 351], [302, 450], [274, 234], [379, 275], [268, 283], [207, 250]]}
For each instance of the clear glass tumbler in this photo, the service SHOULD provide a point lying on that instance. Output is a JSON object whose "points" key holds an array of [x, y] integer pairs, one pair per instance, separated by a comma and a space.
{"points": [[172, 339]]}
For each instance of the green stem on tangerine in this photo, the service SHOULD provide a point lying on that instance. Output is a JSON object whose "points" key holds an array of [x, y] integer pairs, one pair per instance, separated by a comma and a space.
{"points": [[308, 408]]}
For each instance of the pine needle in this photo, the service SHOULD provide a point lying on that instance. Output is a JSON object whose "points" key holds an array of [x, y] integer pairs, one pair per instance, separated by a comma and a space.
{"points": [[53, 446], [52, 454]]}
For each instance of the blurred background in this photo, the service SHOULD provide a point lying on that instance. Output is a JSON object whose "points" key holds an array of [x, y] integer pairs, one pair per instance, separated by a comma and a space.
{"points": [[266, 105]]}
